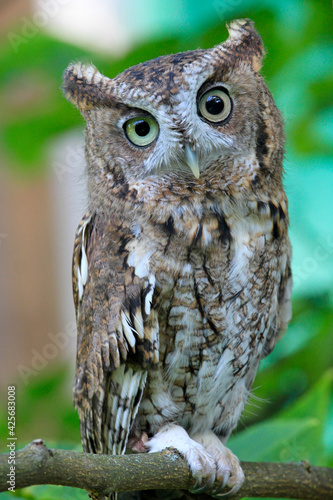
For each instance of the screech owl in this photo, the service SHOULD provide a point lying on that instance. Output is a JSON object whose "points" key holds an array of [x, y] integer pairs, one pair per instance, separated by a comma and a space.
{"points": [[181, 267]]}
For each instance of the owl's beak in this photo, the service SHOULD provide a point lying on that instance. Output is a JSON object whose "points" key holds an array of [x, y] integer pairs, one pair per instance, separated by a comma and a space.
{"points": [[192, 160]]}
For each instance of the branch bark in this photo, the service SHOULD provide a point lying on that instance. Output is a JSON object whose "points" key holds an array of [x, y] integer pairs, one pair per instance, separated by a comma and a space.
{"points": [[101, 474]]}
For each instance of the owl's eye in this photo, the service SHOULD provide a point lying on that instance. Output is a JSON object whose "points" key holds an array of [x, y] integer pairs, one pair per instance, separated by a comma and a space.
{"points": [[142, 130], [215, 105]]}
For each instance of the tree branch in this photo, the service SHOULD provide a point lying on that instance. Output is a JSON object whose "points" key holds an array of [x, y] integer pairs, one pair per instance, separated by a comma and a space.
{"points": [[101, 474]]}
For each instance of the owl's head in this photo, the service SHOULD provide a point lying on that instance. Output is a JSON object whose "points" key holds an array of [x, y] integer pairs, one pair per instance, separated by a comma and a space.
{"points": [[193, 115]]}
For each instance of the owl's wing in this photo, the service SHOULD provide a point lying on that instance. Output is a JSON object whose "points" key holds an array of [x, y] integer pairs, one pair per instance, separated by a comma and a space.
{"points": [[284, 313], [117, 334]]}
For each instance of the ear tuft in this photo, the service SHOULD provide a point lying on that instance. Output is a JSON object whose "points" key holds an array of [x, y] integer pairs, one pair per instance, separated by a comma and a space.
{"points": [[247, 41], [85, 87]]}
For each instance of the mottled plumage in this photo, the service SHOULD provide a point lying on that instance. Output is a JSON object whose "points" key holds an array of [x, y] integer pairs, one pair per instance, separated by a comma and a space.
{"points": [[181, 265]]}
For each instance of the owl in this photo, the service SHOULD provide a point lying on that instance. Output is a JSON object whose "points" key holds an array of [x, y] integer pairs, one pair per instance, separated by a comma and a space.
{"points": [[181, 266]]}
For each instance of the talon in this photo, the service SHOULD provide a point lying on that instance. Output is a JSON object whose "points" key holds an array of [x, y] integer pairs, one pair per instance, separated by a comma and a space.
{"points": [[233, 490], [201, 489], [195, 487], [228, 470], [224, 481]]}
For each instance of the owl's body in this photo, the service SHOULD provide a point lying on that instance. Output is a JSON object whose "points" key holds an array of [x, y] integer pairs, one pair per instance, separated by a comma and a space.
{"points": [[182, 276]]}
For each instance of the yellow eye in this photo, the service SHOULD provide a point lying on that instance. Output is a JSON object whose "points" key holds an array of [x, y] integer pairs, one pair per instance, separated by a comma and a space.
{"points": [[142, 130], [215, 105]]}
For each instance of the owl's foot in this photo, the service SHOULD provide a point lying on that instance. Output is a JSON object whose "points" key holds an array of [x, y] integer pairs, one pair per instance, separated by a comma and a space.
{"points": [[228, 470], [202, 465]]}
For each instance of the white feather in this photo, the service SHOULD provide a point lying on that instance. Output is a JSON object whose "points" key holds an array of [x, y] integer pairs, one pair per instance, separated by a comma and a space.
{"points": [[127, 329], [138, 325], [79, 284], [84, 266], [139, 258], [149, 296]]}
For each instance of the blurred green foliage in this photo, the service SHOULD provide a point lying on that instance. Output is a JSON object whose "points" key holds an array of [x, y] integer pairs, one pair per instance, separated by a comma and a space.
{"points": [[289, 416]]}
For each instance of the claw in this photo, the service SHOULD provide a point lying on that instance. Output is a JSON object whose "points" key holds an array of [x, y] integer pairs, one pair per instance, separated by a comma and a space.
{"points": [[233, 490], [222, 484], [196, 489], [228, 470]]}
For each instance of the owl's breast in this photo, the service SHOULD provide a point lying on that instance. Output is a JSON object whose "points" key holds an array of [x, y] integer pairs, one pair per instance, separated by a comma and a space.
{"points": [[209, 229], [217, 282]]}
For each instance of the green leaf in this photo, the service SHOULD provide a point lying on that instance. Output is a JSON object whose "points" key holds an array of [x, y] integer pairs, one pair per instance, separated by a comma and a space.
{"points": [[271, 441], [298, 433], [316, 403], [51, 492]]}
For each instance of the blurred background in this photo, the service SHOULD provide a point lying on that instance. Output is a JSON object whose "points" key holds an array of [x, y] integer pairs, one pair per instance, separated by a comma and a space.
{"points": [[42, 198]]}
